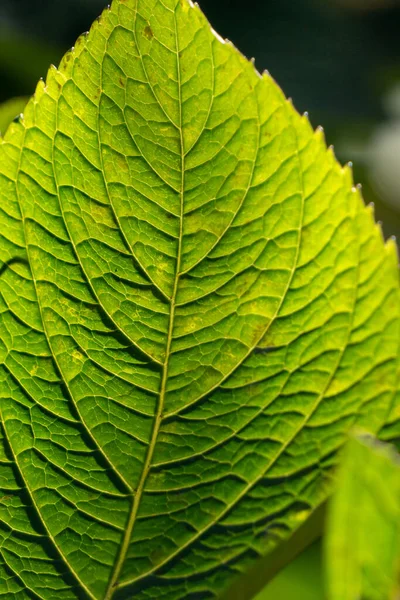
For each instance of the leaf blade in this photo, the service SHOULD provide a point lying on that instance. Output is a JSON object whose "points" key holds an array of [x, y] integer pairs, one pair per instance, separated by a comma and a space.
{"points": [[199, 290], [362, 548]]}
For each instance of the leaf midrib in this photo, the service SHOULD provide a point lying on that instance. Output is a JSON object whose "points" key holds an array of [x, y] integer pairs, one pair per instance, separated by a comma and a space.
{"points": [[113, 583], [297, 431]]}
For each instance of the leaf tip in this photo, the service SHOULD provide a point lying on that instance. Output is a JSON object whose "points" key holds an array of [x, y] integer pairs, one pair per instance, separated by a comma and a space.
{"points": [[40, 88], [347, 170], [392, 249], [320, 133]]}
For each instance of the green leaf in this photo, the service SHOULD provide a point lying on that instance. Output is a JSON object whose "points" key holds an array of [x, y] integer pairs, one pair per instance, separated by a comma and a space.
{"points": [[195, 309], [363, 529], [301, 579], [280, 564], [9, 110]]}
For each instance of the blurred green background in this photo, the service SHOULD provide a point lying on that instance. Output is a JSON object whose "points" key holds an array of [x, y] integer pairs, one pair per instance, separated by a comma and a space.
{"points": [[338, 59]]}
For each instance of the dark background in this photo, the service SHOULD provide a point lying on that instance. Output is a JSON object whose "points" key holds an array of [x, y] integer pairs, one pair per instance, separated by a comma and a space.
{"points": [[337, 59], [331, 57]]}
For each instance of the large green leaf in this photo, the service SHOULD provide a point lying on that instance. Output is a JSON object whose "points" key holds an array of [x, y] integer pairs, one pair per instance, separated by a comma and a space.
{"points": [[10, 110], [195, 309], [363, 537]]}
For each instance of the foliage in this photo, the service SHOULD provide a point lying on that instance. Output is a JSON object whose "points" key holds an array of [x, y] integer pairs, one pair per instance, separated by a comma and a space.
{"points": [[196, 307], [302, 579], [363, 534]]}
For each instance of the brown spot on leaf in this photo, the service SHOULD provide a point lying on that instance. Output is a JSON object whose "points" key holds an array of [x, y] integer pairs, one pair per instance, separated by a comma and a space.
{"points": [[148, 32]]}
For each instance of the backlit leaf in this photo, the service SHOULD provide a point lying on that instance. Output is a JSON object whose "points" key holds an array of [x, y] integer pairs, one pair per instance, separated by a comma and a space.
{"points": [[195, 308]]}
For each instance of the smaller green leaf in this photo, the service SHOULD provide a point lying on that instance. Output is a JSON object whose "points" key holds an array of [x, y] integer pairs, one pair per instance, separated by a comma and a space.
{"points": [[9, 110], [363, 528], [301, 579]]}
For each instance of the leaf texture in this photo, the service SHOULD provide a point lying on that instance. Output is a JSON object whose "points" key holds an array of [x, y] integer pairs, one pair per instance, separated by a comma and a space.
{"points": [[363, 532], [195, 308]]}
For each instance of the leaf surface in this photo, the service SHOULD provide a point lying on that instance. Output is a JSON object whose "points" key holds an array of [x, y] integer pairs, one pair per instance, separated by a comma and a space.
{"points": [[363, 531], [195, 308]]}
